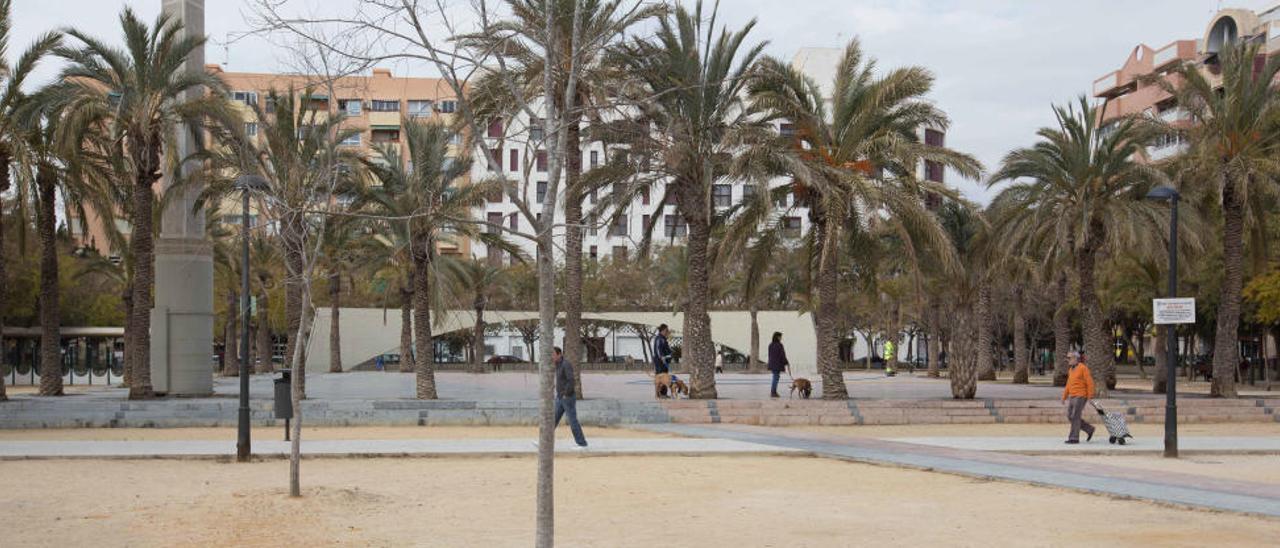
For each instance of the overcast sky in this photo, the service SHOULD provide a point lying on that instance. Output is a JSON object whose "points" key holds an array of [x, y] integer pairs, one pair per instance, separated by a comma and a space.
{"points": [[999, 63]]}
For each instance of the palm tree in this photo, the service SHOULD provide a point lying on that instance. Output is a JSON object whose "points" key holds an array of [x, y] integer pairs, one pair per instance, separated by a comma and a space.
{"points": [[479, 279], [1080, 190], [139, 96], [440, 206], [226, 267], [523, 38], [690, 119], [389, 248], [264, 256], [14, 140], [873, 125], [342, 256], [1233, 138], [968, 231]]}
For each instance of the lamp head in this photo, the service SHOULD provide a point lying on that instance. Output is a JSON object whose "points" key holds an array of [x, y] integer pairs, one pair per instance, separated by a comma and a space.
{"points": [[1163, 193]]}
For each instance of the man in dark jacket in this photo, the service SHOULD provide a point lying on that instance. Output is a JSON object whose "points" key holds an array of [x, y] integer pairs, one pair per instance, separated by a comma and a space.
{"points": [[662, 351], [566, 398], [777, 362]]}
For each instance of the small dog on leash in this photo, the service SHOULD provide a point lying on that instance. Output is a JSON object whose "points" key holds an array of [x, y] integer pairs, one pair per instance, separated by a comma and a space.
{"points": [[678, 387], [663, 385], [803, 385]]}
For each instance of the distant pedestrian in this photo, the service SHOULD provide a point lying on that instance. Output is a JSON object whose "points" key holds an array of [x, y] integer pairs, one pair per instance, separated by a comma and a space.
{"points": [[777, 362], [377, 363], [720, 361], [1076, 395], [662, 351], [566, 397]]}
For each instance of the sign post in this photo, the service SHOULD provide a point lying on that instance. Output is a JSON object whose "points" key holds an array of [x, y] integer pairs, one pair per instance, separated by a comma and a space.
{"points": [[1174, 311], [1169, 313]]}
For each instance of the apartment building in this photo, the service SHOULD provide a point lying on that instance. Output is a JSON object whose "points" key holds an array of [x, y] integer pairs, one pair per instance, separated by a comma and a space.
{"points": [[520, 155], [1129, 90], [377, 104]]}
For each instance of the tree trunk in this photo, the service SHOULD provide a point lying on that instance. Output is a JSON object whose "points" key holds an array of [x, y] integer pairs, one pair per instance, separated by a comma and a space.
{"points": [[1061, 333], [1097, 351], [753, 357], [126, 297], [1021, 358], [265, 365], [986, 367], [142, 249], [295, 239], [230, 350], [335, 323], [424, 365], [50, 332], [698, 349], [962, 363], [935, 339], [825, 320], [1226, 346], [296, 394], [407, 360], [5, 183], [573, 344], [477, 348]]}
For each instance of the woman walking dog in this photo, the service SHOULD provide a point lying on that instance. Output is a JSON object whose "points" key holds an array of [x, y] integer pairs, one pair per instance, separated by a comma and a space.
{"points": [[777, 362]]}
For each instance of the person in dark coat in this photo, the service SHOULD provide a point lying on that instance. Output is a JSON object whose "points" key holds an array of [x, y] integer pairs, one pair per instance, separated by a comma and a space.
{"points": [[777, 362], [566, 398], [662, 351]]}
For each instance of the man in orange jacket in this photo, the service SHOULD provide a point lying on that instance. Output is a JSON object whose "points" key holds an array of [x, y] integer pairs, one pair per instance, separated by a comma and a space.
{"points": [[1076, 394]]}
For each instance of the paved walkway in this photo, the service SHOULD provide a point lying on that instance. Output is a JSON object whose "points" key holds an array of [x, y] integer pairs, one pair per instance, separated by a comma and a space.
{"points": [[1099, 445], [1164, 487], [382, 448]]}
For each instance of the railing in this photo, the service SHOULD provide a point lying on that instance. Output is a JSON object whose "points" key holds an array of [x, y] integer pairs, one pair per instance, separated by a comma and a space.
{"points": [[1106, 83]]}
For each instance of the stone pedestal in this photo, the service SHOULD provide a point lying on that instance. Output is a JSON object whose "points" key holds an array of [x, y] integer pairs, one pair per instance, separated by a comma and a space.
{"points": [[182, 319]]}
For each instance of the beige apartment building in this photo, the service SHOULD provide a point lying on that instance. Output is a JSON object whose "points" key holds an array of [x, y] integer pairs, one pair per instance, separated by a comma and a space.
{"points": [[377, 104], [1127, 90]]}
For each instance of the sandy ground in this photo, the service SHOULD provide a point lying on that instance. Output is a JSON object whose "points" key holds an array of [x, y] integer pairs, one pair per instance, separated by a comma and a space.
{"points": [[1252, 468], [1145, 430], [622, 501], [316, 433]]}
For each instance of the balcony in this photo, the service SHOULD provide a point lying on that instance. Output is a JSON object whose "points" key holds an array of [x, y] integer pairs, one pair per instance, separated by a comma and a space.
{"points": [[384, 119], [1105, 85]]}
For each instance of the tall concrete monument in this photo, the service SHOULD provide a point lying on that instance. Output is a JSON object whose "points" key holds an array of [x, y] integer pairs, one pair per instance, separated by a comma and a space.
{"points": [[182, 320]]}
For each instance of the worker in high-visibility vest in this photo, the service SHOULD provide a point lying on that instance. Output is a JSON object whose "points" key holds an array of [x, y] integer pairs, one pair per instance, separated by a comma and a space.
{"points": [[888, 358]]}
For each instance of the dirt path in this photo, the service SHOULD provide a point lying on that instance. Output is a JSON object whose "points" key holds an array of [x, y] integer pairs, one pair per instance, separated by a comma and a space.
{"points": [[622, 501]]}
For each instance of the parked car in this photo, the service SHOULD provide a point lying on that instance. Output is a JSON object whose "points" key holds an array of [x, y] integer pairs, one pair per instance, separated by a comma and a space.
{"points": [[505, 359]]}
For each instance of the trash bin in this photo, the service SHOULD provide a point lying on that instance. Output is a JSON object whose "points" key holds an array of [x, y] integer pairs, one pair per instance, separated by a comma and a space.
{"points": [[284, 398]]}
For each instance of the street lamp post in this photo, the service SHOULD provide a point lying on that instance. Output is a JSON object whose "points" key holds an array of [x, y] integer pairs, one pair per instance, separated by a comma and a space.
{"points": [[1163, 193], [245, 183]]}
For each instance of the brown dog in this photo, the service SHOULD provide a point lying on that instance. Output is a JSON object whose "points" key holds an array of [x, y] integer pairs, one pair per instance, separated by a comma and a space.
{"points": [[662, 385], [678, 387], [803, 385]]}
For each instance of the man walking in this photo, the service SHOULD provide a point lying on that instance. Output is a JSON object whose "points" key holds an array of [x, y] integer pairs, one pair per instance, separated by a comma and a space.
{"points": [[662, 351], [566, 398], [1076, 395], [777, 362]]}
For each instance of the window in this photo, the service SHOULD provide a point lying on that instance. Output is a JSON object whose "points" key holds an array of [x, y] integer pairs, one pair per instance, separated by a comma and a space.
{"points": [[721, 195], [595, 253], [595, 159], [791, 227], [495, 128], [619, 253], [542, 192], [419, 108], [251, 129], [246, 97], [514, 164], [780, 199], [933, 137], [494, 219], [619, 226], [536, 132], [673, 226], [495, 155], [787, 130], [591, 224], [494, 196], [933, 171], [513, 222], [591, 198], [350, 106], [748, 192], [644, 222], [541, 161], [383, 105], [644, 196], [385, 136], [448, 107], [270, 104], [351, 140]]}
